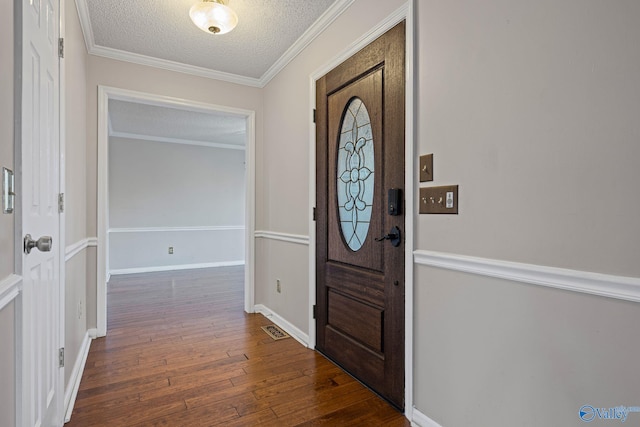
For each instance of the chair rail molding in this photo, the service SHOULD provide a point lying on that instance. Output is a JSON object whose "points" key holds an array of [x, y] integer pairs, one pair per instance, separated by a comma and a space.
{"points": [[163, 229], [605, 285], [10, 288], [74, 249], [283, 237]]}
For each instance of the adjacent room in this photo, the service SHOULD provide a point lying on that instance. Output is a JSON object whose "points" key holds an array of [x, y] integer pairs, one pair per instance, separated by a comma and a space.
{"points": [[176, 188]]}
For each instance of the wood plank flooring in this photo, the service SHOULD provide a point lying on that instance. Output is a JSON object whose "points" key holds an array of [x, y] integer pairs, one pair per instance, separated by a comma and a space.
{"points": [[181, 351]]}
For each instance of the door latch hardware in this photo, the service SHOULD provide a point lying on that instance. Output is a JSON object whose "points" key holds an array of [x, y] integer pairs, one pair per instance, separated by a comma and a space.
{"points": [[43, 244], [394, 236], [394, 201]]}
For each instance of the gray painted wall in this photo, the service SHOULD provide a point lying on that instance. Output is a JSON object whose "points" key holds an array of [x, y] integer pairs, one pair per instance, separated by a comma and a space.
{"points": [[163, 185], [75, 311], [75, 62], [6, 130], [154, 184], [91, 291], [75, 77], [7, 366], [500, 353], [532, 108], [535, 114]]}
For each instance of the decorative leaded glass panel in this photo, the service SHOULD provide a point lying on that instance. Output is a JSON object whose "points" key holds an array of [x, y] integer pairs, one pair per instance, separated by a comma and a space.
{"points": [[355, 174]]}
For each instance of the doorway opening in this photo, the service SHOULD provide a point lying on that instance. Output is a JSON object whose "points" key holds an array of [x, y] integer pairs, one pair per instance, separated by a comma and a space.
{"points": [[158, 144]]}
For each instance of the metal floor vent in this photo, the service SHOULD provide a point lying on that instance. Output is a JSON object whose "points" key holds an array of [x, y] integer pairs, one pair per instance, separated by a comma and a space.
{"points": [[275, 332]]}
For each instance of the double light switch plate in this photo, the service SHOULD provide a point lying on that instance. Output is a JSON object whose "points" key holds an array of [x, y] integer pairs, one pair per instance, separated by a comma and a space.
{"points": [[439, 200]]}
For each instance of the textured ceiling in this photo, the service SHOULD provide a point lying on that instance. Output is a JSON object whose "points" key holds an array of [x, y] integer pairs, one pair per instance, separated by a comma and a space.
{"points": [[160, 33], [162, 30], [150, 122]]}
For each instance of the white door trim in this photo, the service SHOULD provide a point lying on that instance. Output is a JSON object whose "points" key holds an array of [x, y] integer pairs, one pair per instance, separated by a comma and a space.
{"points": [[105, 93], [406, 12]]}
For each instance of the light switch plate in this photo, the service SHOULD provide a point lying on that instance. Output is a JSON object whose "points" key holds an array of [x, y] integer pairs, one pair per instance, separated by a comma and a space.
{"points": [[426, 168], [439, 200]]}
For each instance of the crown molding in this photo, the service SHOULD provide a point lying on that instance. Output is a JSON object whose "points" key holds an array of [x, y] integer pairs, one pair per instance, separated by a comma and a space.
{"points": [[166, 64], [306, 38], [169, 101], [85, 24], [140, 137], [303, 41]]}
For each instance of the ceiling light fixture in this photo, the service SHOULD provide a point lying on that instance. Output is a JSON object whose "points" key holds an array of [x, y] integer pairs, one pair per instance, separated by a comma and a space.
{"points": [[213, 16]]}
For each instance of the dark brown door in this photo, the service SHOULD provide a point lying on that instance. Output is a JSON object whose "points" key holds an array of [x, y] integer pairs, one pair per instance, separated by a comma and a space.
{"points": [[360, 156]]}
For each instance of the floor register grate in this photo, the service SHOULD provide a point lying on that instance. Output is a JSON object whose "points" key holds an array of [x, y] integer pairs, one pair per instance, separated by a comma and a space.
{"points": [[275, 332]]}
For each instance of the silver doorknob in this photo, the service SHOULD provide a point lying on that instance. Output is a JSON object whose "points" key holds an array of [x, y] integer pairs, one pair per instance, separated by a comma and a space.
{"points": [[43, 244]]}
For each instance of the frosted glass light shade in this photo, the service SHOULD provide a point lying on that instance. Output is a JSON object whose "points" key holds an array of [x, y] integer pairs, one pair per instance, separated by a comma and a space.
{"points": [[213, 17]]}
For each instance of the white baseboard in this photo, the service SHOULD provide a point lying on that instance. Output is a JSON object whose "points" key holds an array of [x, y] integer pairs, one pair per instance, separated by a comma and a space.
{"points": [[174, 267], [71, 391], [289, 328], [419, 419]]}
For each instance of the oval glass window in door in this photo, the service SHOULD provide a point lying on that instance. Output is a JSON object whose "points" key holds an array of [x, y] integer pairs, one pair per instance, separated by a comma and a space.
{"points": [[355, 174]]}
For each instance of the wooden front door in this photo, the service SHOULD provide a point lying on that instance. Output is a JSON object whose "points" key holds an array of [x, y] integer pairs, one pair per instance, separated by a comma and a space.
{"points": [[360, 126]]}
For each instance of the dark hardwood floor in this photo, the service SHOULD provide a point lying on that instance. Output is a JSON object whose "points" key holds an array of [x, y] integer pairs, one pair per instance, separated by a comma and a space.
{"points": [[181, 351]]}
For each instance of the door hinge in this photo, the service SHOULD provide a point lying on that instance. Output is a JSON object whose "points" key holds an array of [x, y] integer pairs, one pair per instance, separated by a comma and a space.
{"points": [[314, 214], [61, 47], [61, 358], [315, 311], [61, 202], [314, 115]]}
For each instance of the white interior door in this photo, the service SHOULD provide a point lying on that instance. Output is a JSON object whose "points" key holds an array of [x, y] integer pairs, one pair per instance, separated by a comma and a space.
{"points": [[40, 112]]}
